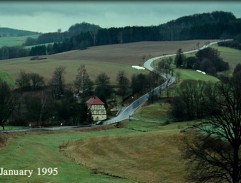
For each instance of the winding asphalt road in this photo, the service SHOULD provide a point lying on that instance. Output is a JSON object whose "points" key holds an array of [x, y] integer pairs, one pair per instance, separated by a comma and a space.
{"points": [[129, 110]]}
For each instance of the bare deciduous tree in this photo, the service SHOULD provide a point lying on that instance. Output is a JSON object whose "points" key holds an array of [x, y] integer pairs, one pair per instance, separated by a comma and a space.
{"points": [[23, 81], [82, 81], [103, 88], [7, 102], [164, 66], [57, 82], [214, 154]]}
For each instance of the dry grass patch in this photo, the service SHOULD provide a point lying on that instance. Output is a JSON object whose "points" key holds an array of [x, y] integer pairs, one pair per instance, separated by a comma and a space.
{"points": [[142, 157], [3, 139]]}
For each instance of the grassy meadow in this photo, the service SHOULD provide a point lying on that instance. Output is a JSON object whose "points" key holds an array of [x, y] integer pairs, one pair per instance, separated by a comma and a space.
{"points": [[186, 74], [33, 151], [153, 113], [6, 77], [14, 41], [47, 66], [230, 55], [140, 151], [139, 156]]}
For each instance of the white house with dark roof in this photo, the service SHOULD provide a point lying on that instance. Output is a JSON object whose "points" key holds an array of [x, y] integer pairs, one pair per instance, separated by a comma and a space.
{"points": [[97, 109]]}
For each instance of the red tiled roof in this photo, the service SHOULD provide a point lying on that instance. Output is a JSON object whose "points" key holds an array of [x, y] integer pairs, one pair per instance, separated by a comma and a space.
{"points": [[94, 101]]}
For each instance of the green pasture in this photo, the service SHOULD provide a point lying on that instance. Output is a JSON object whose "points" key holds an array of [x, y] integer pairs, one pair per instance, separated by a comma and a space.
{"points": [[187, 74], [14, 41], [230, 55], [15, 127], [157, 112], [39, 45], [33, 151], [38, 150], [46, 67], [7, 78], [155, 117]]}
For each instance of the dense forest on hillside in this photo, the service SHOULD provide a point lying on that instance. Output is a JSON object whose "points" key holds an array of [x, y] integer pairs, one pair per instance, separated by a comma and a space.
{"points": [[215, 25], [199, 26], [232, 44], [74, 30]]}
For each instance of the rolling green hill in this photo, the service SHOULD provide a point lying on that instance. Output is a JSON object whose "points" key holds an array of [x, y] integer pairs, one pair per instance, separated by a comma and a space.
{"points": [[15, 40], [230, 55], [107, 155], [8, 32], [6, 77], [187, 74]]}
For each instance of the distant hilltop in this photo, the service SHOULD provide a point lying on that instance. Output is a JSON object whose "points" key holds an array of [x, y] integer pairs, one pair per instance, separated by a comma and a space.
{"points": [[6, 32], [214, 25], [208, 26]]}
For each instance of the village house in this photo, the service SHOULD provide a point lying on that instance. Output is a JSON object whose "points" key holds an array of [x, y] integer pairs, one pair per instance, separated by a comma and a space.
{"points": [[97, 109]]}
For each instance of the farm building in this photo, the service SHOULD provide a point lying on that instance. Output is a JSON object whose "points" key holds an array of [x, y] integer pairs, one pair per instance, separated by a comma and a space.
{"points": [[97, 109]]}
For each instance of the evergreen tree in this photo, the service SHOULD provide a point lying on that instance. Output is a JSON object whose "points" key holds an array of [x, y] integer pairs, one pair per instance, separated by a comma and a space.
{"points": [[179, 59], [7, 102], [122, 83], [237, 69]]}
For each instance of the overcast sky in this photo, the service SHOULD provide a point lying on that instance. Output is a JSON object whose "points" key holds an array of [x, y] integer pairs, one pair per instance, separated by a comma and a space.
{"points": [[50, 16]]}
